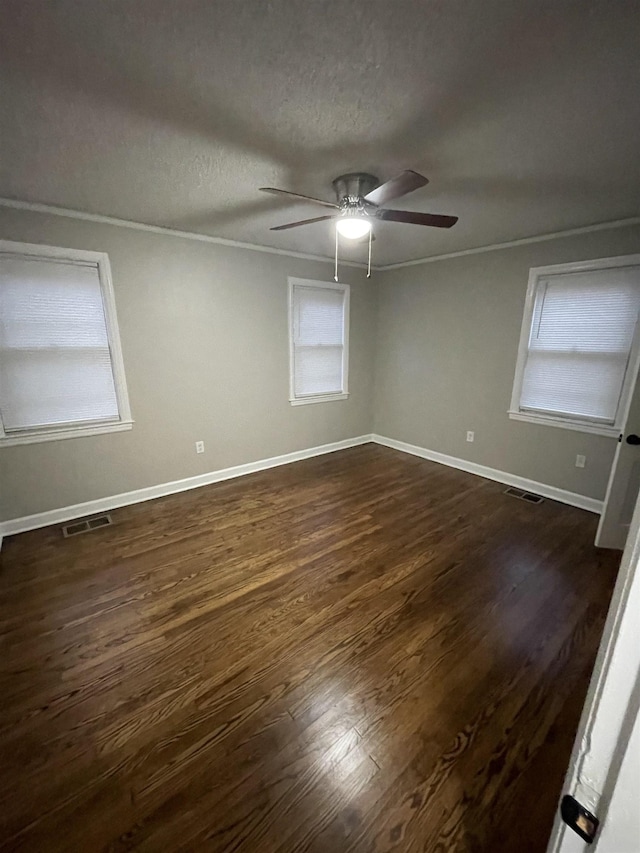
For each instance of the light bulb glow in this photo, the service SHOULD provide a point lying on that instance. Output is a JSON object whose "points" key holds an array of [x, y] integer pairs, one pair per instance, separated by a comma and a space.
{"points": [[353, 227]]}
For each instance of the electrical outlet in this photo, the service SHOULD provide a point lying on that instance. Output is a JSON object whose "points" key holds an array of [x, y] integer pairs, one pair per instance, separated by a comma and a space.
{"points": [[199, 446], [580, 460], [470, 435]]}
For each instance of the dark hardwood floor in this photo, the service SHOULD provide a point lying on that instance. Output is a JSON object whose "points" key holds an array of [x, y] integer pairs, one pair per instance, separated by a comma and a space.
{"points": [[359, 652]]}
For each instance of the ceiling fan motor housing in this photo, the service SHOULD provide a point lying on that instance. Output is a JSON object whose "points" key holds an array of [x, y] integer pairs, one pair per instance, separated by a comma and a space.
{"points": [[351, 188]]}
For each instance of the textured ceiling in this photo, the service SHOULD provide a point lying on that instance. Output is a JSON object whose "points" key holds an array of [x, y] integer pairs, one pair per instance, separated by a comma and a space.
{"points": [[524, 114]]}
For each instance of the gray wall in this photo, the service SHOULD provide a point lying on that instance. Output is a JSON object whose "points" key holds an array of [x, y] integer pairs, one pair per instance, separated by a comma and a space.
{"points": [[448, 334], [442, 337], [205, 343]]}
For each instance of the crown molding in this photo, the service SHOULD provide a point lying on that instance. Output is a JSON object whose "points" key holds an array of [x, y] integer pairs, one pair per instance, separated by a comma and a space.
{"points": [[492, 247], [37, 207], [69, 213]]}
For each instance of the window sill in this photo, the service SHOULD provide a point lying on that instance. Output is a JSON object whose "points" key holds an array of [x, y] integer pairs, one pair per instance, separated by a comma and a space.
{"points": [[37, 436], [320, 398], [578, 426]]}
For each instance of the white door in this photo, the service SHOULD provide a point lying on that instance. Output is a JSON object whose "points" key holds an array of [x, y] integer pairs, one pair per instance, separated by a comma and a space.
{"points": [[621, 830], [624, 482], [604, 771]]}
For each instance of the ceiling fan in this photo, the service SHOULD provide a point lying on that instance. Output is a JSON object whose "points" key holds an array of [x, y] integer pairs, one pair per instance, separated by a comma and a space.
{"points": [[360, 200]]}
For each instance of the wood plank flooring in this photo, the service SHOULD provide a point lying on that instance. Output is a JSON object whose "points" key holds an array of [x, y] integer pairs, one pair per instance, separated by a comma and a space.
{"points": [[359, 652]]}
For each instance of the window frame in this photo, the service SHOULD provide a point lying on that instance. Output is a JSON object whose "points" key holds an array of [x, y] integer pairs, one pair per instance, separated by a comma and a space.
{"points": [[329, 397], [571, 422], [77, 429]]}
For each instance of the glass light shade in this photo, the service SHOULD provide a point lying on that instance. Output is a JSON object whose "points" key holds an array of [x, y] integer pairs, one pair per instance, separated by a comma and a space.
{"points": [[353, 227]]}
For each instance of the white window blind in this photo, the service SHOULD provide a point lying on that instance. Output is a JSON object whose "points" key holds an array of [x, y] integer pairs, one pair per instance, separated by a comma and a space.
{"points": [[56, 363], [318, 316], [582, 330]]}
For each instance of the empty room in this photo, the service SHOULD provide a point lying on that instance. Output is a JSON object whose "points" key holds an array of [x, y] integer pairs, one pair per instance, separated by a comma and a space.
{"points": [[319, 426]]}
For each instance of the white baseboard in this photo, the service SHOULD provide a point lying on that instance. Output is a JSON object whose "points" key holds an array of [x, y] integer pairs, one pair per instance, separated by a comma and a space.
{"points": [[551, 492], [68, 513], [58, 516]]}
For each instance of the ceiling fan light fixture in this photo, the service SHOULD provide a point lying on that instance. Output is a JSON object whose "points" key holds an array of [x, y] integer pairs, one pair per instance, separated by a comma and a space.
{"points": [[353, 227]]}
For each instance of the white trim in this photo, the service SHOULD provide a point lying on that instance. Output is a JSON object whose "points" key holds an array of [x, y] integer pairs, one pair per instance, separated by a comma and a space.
{"points": [[346, 292], [36, 207], [60, 433], [57, 516], [53, 253], [586, 266], [565, 423], [536, 274], [551, 492], [319, 398], [99, 261], [524, 241]]}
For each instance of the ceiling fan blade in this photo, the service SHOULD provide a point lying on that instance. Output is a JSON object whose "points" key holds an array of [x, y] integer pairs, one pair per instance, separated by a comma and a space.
{"points": [[405, 182], [415, 218], [291, 195], [301, 222]]}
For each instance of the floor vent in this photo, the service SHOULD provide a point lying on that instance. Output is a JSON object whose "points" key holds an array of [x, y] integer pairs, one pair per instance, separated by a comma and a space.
{"points": [[523, 496], [86, 525]]}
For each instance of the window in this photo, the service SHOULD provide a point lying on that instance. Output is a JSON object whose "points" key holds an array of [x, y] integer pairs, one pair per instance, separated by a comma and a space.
{"points": [[319, 341], [578, 354], [61, 372]]}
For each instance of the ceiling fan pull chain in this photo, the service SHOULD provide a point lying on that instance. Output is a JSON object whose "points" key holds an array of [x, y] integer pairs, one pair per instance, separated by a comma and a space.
{"points": [[335, 271], [369, 264]]}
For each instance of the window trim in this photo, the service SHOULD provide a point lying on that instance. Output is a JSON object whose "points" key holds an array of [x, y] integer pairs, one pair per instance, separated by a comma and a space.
{"points": [[580, 425], [319, 398], [75, 430]]}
